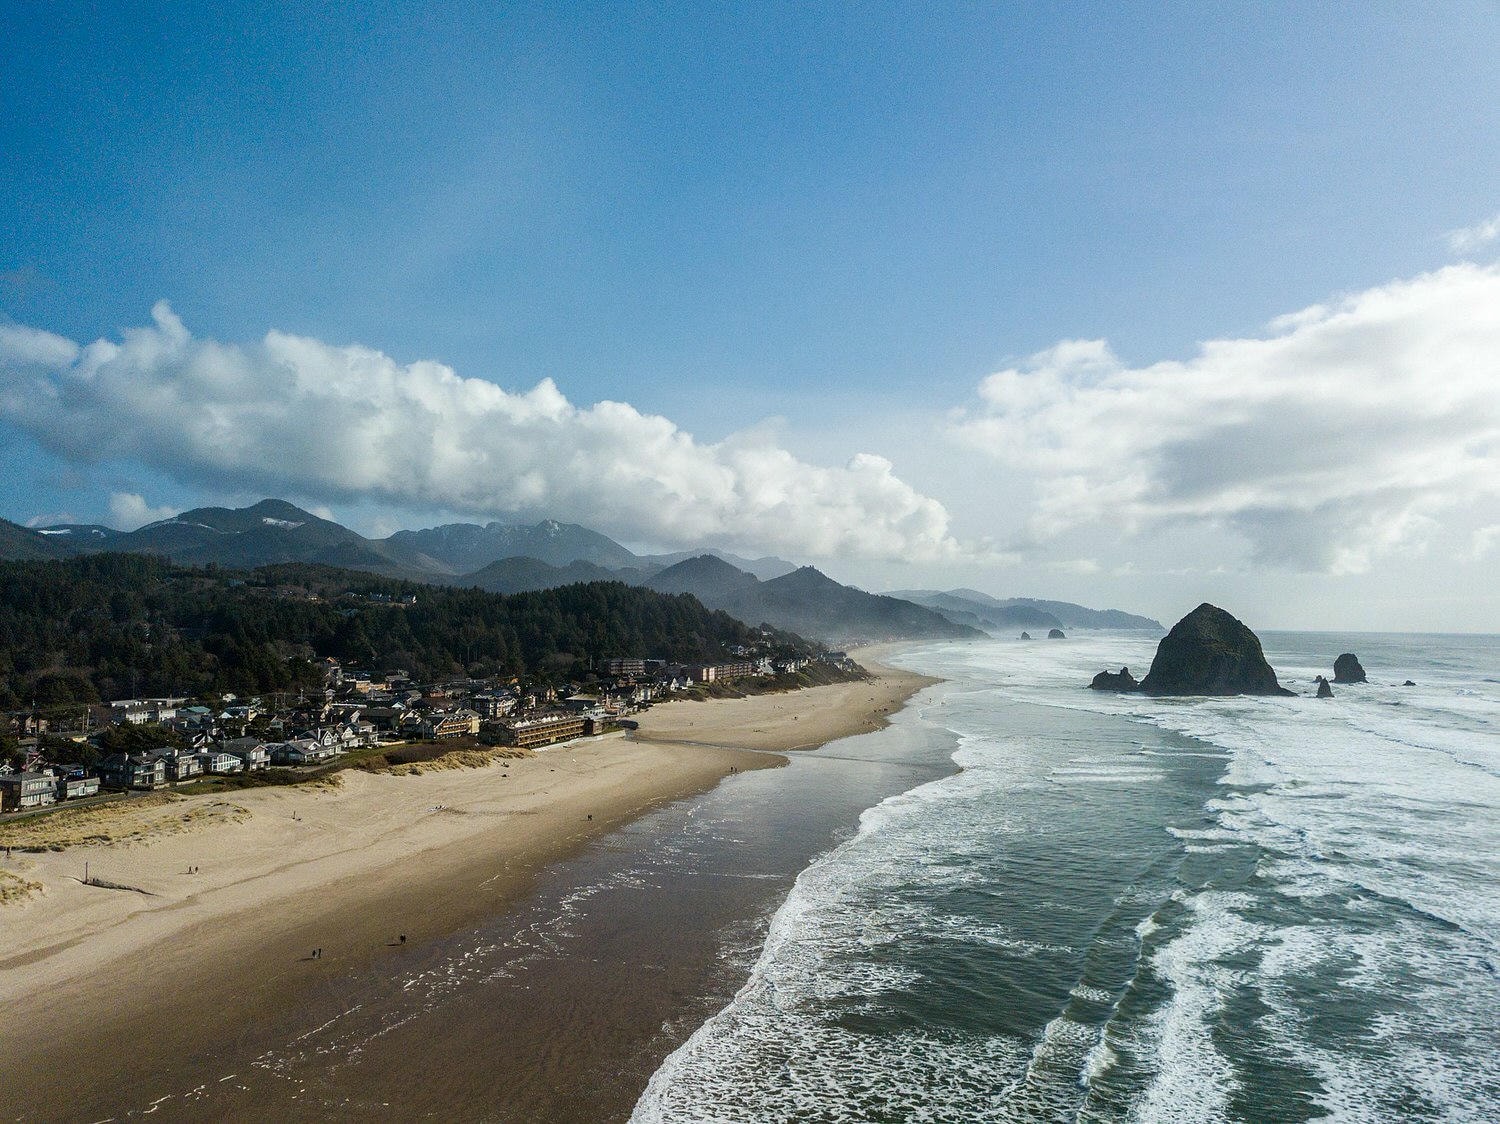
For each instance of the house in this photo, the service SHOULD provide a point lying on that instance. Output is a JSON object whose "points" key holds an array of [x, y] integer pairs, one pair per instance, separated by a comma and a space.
{"points": [[382, 717], [494, 706], [193, 719], [302, 751], [132, 770], [181, 764], [251, 752], [77, 786], [220, 763], [129, 712], [456, 724], [26, 789]]}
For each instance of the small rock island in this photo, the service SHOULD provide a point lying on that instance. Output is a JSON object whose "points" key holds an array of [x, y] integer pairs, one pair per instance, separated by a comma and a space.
{"points": [[1346, 669], [1324, 690], [1208, 652], [1055, 634], [1120, 680]]}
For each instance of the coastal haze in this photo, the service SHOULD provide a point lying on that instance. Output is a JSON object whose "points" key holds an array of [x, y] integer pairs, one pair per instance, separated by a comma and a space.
{"points": [[696, 564]]}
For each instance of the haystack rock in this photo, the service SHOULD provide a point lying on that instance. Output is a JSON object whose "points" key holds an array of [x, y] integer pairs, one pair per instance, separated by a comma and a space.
{"points": [[1209, 652], [1346, 669], [1056, 634], [1324, 690], [1408, 683], [1025, 636], [1120, 680]]}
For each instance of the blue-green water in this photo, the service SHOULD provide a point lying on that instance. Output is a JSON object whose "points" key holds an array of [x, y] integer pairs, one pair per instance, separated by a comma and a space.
{"points": [[1135, 909]]}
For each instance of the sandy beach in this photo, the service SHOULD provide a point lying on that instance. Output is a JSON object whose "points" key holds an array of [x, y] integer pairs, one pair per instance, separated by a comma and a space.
{"points": [[230, 894]]}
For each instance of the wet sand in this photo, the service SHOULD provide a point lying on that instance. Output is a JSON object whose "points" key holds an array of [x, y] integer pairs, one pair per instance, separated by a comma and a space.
{"points": [[114, 1000]]}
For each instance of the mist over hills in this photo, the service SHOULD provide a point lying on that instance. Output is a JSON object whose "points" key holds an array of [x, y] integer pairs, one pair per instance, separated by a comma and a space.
{"points": [[466, 547], [523, 575], [515, 558], [765, 568], [980, 610]]}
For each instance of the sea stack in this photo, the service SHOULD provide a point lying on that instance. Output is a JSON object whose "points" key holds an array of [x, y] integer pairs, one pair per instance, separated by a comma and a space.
{"points": [[1056, 634], [1120, 680], [1209, 652], [1346, 669], [1025, 636], [1324, 690]]}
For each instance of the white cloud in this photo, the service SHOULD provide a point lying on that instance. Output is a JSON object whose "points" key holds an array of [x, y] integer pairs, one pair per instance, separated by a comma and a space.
{"points": [[51, 519], [1083, 566], [129, 510], [297, 415], [1470, 238], [1340, 435], [32, 345], [1484, 542]]}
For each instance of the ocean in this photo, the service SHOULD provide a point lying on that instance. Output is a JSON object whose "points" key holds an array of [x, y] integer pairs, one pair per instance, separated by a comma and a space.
{"points": [[1122, 909]]}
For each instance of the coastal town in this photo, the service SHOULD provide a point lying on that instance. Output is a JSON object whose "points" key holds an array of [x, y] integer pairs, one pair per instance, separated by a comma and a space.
{"points": [[139, 745]]}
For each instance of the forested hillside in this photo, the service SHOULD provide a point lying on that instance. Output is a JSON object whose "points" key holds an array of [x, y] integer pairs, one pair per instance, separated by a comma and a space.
{"points": [[114, 626]]}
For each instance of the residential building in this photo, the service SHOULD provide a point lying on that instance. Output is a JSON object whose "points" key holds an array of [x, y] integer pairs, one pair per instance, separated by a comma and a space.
{"points": [[251, 752], [531, 732], [76, 787], [132, 770], [220, 763], [181, 764], [20, 791], [455, 724]]}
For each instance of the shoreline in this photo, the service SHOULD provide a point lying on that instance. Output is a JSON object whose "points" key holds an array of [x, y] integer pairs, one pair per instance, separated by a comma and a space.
{"points": [[225, 955]]}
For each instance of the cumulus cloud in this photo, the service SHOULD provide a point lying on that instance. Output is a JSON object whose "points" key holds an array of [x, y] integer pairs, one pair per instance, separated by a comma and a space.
{"points": [[129, 510], [1470, 238], [296, 414], [1344, 432]]}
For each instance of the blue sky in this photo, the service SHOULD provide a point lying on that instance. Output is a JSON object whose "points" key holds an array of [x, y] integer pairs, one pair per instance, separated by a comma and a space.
{"points": [[829, 225]]}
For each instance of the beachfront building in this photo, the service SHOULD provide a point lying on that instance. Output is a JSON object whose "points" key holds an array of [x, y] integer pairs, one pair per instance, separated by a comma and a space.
{"points": [[220, 763], [20, 791], [625, 667], [181, 764], [302, 751], [718, 672], [132, 770], [545, 730], [77, 786], [251, 752]]}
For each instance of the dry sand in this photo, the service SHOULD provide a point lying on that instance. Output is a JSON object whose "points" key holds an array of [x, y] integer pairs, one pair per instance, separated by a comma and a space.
{"points": [[230, 893]]}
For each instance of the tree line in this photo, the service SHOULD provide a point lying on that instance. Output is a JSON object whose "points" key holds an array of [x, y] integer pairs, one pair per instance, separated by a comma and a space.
{"points": [[128, 625]]}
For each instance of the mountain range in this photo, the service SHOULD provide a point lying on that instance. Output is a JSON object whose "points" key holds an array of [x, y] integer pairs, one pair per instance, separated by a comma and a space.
{"points": [[993, 614], [804, 601], [516, 558]]}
